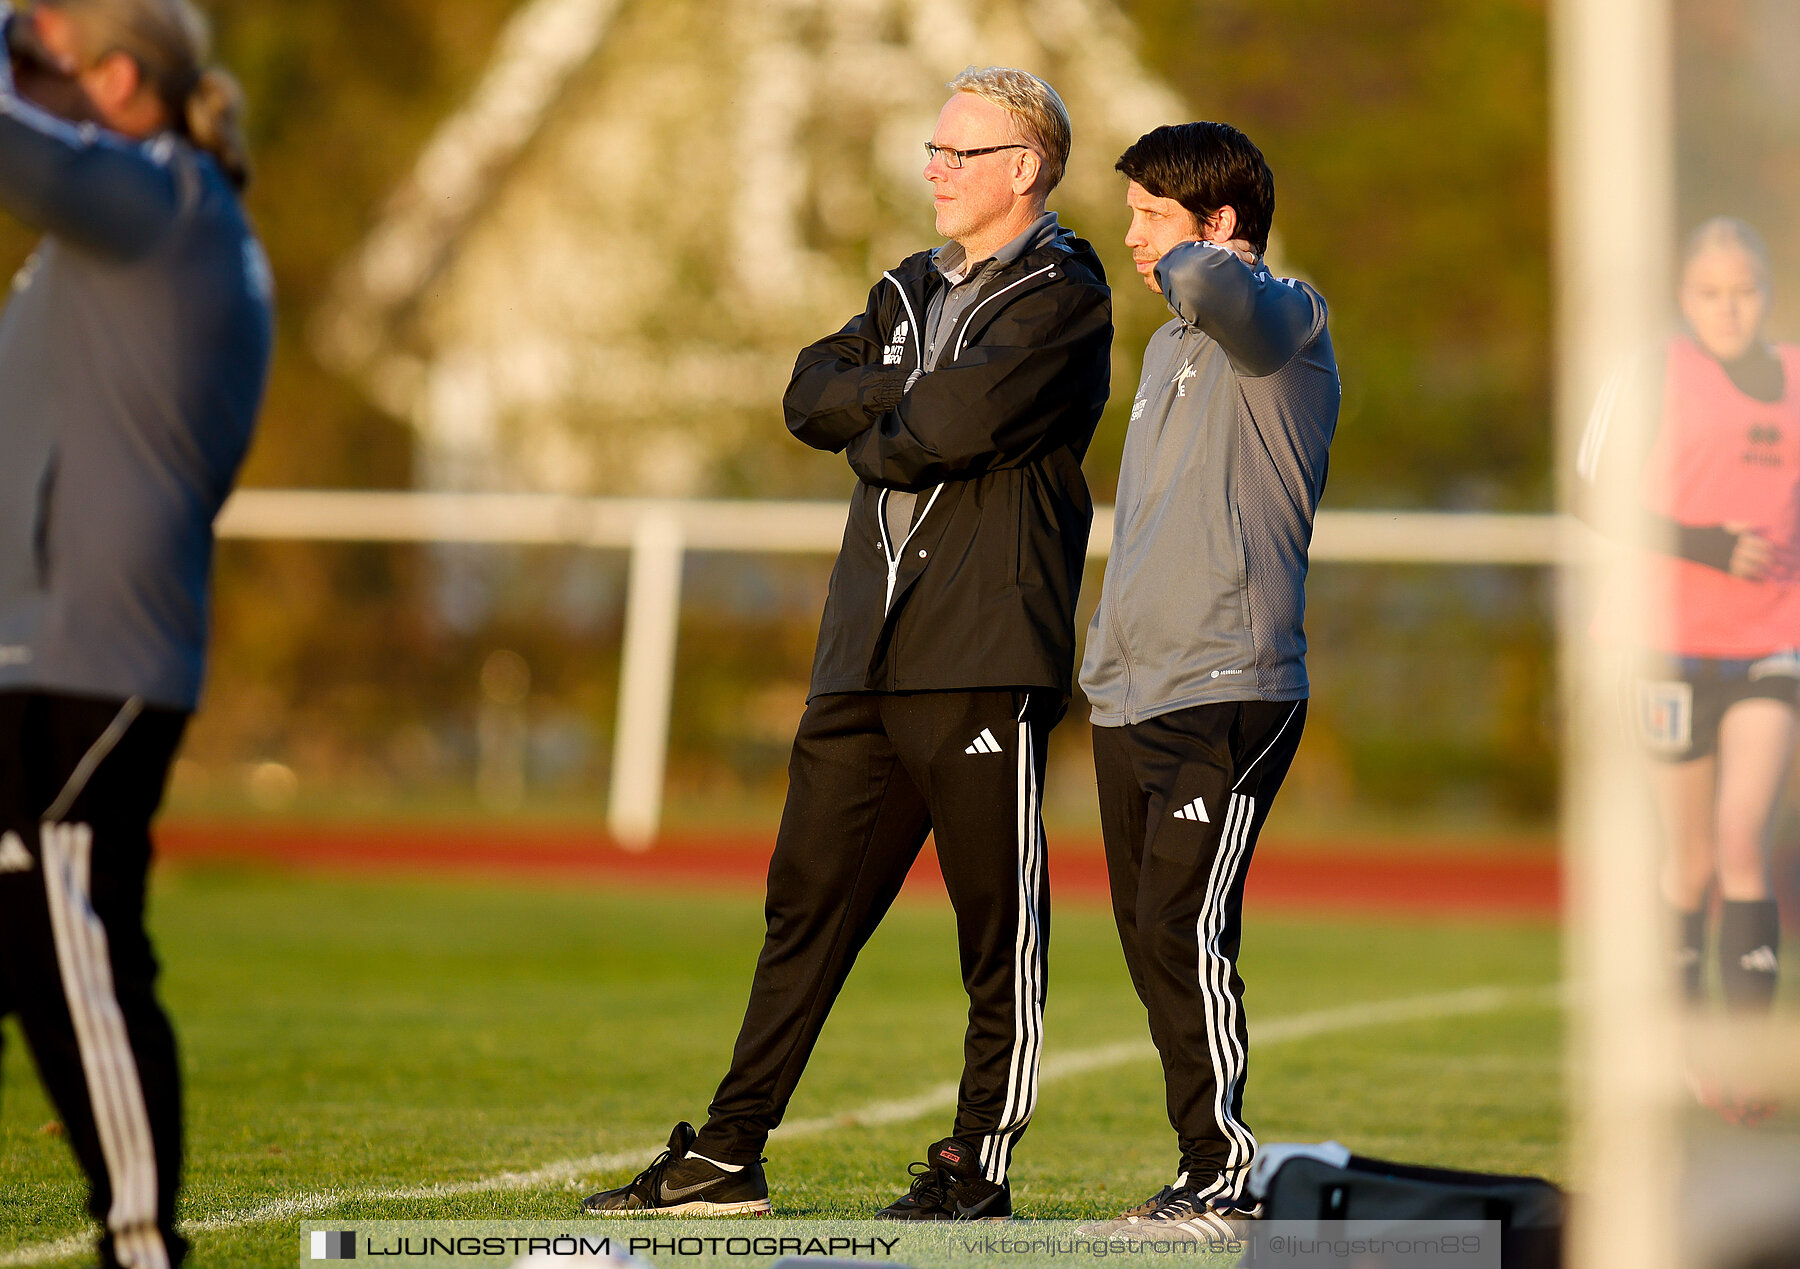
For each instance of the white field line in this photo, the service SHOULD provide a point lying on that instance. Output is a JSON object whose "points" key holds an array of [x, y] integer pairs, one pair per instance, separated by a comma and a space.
{"points": [[1303, 1026]]}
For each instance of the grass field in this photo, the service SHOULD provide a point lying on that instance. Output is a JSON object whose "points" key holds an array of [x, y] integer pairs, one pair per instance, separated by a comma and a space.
{"points": [[368, 1048]]}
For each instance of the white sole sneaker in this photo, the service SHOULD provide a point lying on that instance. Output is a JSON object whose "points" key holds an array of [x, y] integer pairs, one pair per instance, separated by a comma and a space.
{"points": [[754, 1207]]}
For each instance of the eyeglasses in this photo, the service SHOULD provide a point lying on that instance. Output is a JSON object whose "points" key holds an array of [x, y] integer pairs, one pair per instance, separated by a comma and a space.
{"points": [[954, 158]]}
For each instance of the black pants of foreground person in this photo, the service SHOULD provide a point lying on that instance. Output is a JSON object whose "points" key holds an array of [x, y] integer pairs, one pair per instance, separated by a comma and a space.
{"points": [[79, 782], [1182, 799], [871, 775]]}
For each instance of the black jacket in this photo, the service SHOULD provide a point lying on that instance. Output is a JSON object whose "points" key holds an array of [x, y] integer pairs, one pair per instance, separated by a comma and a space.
{"points": [[982, 593]]}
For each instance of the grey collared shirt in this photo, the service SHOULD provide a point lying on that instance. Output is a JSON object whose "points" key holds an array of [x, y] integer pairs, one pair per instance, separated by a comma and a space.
{"points": [[962, 290], [964, 278]]}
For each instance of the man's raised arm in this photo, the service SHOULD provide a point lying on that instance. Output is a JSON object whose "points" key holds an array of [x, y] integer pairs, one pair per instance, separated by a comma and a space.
{"points": [[96, 189], [1260, 321]]}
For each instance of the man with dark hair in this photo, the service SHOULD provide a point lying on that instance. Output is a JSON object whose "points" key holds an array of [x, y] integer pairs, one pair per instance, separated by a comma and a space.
{"points": [[963, 397], [1206, 168], [1195, 666]]}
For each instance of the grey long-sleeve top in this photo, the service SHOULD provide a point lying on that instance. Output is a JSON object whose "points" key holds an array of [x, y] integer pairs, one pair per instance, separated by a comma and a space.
{"points": [[133, 353], [1224, 463]]}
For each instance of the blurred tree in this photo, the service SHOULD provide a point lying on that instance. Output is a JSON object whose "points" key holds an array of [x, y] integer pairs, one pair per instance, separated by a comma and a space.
{"points": [[314, 644], [344, 94], [1410, 148], [1409, 143]]}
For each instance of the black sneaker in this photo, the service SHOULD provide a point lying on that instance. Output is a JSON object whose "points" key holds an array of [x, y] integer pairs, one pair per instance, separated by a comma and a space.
{"points": [[1177, 1213], [677, 1185], [949, 1186]]}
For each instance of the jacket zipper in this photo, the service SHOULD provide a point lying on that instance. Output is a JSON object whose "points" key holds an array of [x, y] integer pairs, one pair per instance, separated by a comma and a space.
{"points": [[894, 556], [1112, 619], [970, 315], [889, 552]]}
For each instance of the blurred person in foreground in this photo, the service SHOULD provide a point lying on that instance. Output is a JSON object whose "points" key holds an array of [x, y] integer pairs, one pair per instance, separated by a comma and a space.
{"points": [[1706, 432], [1196, 658], [964, 398], [133, 352]]}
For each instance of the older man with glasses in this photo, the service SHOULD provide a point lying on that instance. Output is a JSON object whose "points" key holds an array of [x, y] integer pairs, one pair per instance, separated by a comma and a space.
{"points": [[964, 398]]}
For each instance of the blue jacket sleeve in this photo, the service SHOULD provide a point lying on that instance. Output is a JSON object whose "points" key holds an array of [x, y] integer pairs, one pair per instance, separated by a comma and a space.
{"points": [[95, 189], [1260, 321]]}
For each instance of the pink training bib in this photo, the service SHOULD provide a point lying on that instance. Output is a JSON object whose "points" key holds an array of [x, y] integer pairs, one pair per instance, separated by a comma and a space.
{"points": [[1723, 457]]}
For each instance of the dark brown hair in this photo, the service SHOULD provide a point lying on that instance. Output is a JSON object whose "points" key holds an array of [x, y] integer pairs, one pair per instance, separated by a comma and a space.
{"points": [[1204, 167]]}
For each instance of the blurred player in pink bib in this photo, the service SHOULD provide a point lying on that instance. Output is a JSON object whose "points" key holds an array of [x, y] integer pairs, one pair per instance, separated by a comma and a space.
{"points": [[1709, 429]]}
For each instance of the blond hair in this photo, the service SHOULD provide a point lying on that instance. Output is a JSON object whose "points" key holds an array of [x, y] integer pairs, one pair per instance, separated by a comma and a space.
{"points": [[1042, 118], [171, 44]]}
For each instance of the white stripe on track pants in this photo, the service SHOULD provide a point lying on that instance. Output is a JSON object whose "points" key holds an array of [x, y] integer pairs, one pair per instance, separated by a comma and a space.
{"points": [[1182, 799], [79, 780], [871, 775]]}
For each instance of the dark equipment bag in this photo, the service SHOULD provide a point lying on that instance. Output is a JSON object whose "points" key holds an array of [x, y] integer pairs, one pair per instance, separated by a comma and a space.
{"points": [[1530, 1209]]}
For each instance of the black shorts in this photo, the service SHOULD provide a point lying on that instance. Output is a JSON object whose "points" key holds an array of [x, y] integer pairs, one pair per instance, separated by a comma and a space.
{"points": [[1677, 703]]}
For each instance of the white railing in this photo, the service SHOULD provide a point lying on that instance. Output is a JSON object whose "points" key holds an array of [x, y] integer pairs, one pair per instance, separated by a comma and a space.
{"points": [[658, 533]]}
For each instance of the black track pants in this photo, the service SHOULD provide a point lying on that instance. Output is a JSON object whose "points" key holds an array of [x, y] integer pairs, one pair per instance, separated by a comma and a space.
{"points": [[79, 781], [1182, 799], [870, 777]]}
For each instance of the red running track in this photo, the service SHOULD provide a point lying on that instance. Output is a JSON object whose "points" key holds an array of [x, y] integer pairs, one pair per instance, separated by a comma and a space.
{"points": [[1523, 882]]}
